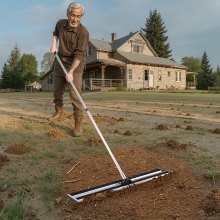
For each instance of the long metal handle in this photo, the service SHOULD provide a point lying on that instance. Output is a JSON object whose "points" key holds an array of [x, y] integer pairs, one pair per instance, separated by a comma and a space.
{"points": [[92, 120]]}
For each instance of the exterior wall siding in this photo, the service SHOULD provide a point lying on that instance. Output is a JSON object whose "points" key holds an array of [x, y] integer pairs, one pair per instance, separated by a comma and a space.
{"points": [[168, 77], [45, 86]]}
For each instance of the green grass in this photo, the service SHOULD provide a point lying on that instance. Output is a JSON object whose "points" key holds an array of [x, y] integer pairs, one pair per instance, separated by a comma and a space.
{"points": [[197, 160], [192, 97], [214, 175], [49, 186], [16, 209], [13, 169]]}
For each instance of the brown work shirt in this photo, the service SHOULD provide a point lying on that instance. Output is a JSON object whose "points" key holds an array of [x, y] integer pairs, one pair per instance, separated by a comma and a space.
{"points": [[73, 41]]}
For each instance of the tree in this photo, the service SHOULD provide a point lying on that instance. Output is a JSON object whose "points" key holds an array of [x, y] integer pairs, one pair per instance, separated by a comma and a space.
{"points": [[205, 77], [217, 77], [193, 65], [155, 31], [47, 62], [18, 70], [28, 67], [11, 74]]}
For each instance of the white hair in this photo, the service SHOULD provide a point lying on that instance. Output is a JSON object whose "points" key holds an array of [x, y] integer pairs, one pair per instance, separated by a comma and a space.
{"points": [[75, 5]]}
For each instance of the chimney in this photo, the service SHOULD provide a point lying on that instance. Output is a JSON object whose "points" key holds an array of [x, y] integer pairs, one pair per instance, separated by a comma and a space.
{"points": [[114, 36]]}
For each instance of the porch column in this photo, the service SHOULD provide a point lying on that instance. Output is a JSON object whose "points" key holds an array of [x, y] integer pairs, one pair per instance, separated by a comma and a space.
{"points": [[103, 75], [124, 76]]}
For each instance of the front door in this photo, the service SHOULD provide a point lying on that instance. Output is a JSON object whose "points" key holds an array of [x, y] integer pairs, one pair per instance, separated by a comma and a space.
{"points": [[148, 79], [151, 79]]}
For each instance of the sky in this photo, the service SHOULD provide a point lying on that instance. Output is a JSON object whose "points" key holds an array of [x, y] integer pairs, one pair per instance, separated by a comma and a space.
{"points": [[193, 26]]}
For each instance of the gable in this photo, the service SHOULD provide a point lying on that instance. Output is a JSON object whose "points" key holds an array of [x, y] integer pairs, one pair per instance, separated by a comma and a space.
{"points": [[136, 43]]}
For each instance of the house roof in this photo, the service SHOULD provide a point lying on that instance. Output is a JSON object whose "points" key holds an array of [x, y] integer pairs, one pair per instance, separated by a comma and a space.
{"points": [[114, 45], [118, 42], [142, 58], [101, 44], [109, 61]]}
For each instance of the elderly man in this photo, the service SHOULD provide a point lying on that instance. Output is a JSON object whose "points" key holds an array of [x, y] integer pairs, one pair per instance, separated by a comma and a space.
{"points": [[73, 43]]}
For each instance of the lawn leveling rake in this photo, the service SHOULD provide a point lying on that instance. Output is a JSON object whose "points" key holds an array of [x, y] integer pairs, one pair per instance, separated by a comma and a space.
{"points": [[125, 182]]}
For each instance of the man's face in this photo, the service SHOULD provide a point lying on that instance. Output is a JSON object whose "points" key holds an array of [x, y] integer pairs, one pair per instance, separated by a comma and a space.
{"points": [[74, 17]]}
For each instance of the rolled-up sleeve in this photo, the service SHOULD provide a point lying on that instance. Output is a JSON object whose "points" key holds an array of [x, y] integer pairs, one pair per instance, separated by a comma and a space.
{"points": [[56, 30], [82, 45]]}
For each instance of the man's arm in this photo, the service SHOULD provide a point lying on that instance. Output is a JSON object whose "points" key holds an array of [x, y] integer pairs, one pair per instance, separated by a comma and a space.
{"points": [[53, 48], [70, 74]]}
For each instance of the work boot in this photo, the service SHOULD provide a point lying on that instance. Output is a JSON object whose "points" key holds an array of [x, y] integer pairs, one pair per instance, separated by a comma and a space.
{"points": [[78, 131], [57, 114]]}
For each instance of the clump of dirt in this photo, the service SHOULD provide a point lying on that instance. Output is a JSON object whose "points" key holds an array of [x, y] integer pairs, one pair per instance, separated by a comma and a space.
{"points": [[55, 133], [117, 131], [93, 141], [174, 144], [3, 159], [216, 131], [187, 122], [189, 127], [105, 119], [121, 119], [211, 205], [162, 127], [188, 114], [128, 133], [158, 199], [178, 126], [18, 149]]}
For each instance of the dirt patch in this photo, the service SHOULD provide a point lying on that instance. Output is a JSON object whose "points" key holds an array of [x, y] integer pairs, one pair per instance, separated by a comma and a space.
{"points": [[176, 197], [216, 131], [93, 141], [161, 127], [189, 128], [211, 205], [3, 160], [55, 133], [173, 144], [128, 133], [18, 149], [105, 119], [178, 126]]}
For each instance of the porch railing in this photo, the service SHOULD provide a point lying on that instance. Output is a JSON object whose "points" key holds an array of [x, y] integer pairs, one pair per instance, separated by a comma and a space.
{"points": [[94, 83]]}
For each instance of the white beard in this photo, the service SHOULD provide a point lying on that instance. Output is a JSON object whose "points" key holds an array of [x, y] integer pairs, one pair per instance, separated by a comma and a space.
{"points": [[73, 25]]}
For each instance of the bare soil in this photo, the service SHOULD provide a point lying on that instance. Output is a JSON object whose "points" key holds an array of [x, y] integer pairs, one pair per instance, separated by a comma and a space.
{"points": [[143, 136]]}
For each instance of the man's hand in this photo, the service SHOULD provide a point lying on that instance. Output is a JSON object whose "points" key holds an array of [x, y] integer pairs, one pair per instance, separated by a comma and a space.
{"points": [[53, 50], [69, 76]]}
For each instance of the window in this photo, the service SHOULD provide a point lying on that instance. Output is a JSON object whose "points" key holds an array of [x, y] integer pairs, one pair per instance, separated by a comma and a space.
{"points": [[178, 77], [146, 75], [130, 74], [169, 74], [138, 49]]}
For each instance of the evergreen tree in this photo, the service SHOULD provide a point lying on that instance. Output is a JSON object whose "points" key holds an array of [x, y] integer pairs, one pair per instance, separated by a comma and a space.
{"points": [[205, 78], [155, 31], [217, 77], [11, 74]]}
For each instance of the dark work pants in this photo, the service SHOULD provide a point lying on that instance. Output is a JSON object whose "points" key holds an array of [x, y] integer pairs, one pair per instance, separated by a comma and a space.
{"points": [[60, 84]]}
